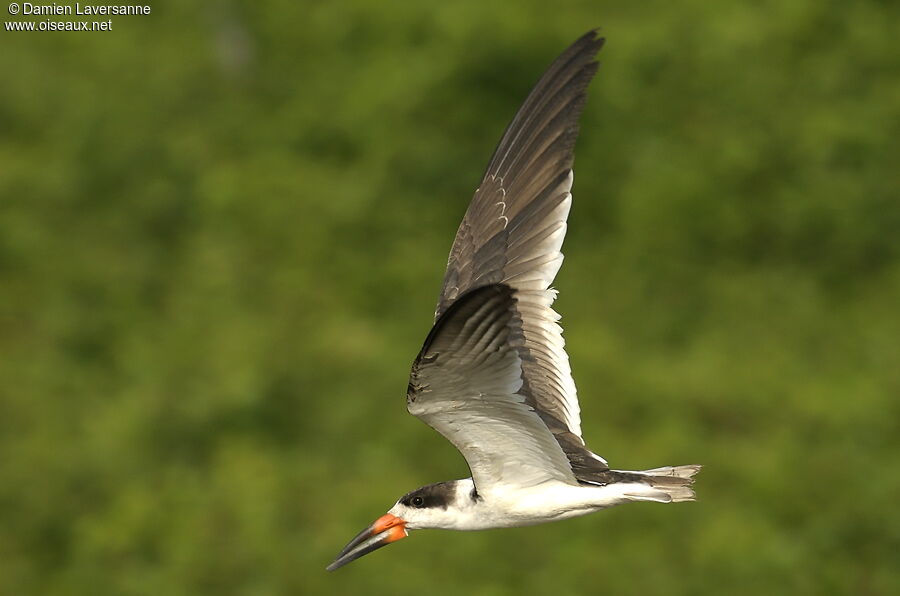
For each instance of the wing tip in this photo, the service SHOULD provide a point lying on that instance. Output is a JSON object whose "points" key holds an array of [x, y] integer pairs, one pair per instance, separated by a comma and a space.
{"points": [[591, 41]]}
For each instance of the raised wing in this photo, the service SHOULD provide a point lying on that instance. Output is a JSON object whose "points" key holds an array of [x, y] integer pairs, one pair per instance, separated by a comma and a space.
{"points": [[514, 226], [467, 383], [513, 231]]}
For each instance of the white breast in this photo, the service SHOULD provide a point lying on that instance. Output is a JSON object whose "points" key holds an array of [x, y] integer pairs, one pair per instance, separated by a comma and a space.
{"points": [[551, 501]]}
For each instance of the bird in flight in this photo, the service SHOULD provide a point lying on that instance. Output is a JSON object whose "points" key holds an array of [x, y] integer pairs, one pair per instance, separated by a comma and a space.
{"points": [[493, 376]]}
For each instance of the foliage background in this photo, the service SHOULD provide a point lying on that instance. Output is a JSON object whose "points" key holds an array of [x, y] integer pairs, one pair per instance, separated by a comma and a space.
{"points": [[222, 232]]}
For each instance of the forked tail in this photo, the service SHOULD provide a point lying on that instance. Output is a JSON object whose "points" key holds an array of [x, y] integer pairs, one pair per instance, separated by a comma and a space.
{"points": [[669, 484]]}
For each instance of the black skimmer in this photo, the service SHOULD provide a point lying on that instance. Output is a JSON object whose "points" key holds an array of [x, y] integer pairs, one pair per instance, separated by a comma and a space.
{"points": [[493, 376]]}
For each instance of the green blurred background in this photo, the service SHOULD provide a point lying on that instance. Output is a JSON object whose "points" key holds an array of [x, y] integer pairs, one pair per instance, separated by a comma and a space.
{"points": [[222, 232]]}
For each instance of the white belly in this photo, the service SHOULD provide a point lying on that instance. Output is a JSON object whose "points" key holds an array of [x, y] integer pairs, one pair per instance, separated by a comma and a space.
{"points": [[507, 507]]}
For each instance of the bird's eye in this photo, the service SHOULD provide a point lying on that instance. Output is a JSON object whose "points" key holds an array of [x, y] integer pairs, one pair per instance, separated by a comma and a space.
{"points": [[417, 502]]}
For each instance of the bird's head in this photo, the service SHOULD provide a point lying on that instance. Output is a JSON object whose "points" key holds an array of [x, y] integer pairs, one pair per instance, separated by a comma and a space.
{"points": [[432, 506]]}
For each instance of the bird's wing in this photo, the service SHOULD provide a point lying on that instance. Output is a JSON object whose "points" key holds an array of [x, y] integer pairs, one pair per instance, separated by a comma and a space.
{"points": [[468, 384], [513, 231]]}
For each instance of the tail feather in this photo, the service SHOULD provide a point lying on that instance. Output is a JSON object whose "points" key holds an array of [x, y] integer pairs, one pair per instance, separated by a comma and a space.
{"points": [[672, 481], [670, 484]]}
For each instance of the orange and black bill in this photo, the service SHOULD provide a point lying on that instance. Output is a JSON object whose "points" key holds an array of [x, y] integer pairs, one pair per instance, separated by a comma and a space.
{"points": [[386, 529]]}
